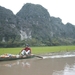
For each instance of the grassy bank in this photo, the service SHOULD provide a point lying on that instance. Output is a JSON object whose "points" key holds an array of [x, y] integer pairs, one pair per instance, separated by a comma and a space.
{"points": [[38, 50]]}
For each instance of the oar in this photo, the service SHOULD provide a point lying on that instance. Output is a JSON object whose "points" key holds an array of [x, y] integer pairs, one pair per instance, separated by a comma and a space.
{"points": [[38, 56]]}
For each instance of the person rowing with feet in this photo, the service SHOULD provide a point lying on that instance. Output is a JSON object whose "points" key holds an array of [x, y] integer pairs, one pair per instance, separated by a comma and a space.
{"points": [[26, 51]]}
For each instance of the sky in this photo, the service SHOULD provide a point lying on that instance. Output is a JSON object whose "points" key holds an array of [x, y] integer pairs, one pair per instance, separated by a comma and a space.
{"points": [[64, 9]]}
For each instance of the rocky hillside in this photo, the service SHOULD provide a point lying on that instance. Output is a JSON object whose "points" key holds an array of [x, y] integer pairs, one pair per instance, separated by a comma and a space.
{"points": [[34, 22], [10, 25], [39, 19]]}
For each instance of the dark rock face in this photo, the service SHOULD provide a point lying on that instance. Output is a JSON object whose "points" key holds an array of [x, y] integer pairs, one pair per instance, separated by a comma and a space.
{"points": [[34, 21]]}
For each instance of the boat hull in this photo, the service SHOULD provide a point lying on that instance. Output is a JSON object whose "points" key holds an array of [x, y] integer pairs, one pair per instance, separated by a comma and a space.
{"points": [[15, 58]]}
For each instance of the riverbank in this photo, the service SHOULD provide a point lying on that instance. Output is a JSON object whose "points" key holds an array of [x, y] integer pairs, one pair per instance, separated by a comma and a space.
{"points": [[39, 50]]}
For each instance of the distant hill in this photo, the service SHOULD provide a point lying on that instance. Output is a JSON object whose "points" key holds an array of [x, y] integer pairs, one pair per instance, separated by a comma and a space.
{"points": [[39, 19], [33, 22]]}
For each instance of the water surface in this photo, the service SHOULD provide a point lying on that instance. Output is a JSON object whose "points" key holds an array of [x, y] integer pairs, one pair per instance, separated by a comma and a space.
{"points": [[50, 65]]}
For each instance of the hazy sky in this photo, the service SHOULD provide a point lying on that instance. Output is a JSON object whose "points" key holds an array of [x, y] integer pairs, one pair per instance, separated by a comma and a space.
{"points": [[64, 9]]}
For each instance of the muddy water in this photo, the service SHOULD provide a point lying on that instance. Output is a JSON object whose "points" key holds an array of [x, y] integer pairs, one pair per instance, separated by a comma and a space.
{"points": [[35, 66]]}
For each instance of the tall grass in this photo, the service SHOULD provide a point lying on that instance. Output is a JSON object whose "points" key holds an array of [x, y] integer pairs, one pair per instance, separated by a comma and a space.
{"points": [[38, 50], [41, 50], [10, 50]]}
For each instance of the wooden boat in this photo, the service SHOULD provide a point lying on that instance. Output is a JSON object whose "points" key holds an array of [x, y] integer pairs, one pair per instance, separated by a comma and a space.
{"points": [[15, 57]]}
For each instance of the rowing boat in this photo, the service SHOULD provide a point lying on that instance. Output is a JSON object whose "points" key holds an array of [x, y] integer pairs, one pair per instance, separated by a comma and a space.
{"points": [[15, 58]]}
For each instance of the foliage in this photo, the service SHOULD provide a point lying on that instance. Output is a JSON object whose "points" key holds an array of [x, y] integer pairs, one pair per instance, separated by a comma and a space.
{"points": [[45, 29]]}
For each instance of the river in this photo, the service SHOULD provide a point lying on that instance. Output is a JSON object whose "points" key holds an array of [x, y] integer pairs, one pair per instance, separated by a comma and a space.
{"points": [[49, 65]]}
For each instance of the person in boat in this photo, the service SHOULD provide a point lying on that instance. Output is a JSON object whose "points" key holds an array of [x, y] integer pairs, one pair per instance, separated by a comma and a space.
{"points": [[26, 51]]}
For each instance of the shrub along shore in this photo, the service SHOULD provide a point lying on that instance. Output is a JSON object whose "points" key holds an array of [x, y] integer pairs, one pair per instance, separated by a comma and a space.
{"points": [[39, 50]]}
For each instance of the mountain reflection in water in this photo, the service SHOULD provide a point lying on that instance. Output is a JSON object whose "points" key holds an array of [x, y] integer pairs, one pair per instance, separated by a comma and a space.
{"points": [[68, 70]]}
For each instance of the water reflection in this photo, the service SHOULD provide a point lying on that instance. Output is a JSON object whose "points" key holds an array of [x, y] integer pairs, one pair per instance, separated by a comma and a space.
{"points": [[16, 63], [68, 70]]}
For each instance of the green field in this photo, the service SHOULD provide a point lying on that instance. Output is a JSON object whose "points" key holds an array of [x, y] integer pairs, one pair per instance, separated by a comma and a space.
{"points": [[38, 50]]}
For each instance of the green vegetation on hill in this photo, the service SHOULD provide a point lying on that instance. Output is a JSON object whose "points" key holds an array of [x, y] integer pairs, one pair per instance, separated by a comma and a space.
{"points": [[33, 25]]}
